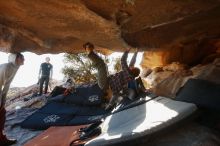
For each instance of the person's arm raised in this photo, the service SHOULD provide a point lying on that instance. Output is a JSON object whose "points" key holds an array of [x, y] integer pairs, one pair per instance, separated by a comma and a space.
{"points": [[133, 59]]}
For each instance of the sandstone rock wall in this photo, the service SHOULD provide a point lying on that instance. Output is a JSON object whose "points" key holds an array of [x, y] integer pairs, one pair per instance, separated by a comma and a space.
{"points": [[167, 81], [63, 26]]}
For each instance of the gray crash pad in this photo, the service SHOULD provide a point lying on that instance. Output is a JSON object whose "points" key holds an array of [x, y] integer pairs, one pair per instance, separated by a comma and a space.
{"points": [[142, 120]]}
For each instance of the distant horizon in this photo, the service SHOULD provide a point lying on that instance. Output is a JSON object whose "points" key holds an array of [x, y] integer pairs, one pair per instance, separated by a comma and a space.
{"points": [[27, 74]]}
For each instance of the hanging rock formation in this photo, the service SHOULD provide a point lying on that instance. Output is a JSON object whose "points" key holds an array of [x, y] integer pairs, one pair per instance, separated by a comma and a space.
{"points": [[184, 31]]}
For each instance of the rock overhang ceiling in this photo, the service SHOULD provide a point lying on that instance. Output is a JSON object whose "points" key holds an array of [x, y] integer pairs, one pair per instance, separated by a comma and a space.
{"points": [[56, 26]]}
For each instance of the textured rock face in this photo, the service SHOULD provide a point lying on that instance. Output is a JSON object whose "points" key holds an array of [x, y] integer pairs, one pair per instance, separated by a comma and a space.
{"points": [[56, 26], [191, 54], [166, 81]]}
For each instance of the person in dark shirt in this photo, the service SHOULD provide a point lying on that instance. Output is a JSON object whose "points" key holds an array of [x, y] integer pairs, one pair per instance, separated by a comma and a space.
{"points": [[45, 74]]}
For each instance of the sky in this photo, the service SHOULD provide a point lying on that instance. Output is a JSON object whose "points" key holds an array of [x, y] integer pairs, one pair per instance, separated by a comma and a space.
{"points": [[28, 73]]}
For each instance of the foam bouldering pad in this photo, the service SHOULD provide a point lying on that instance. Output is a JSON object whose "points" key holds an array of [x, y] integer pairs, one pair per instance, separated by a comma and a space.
{"points": [[61, 114], [86, 95], [56, 136]]}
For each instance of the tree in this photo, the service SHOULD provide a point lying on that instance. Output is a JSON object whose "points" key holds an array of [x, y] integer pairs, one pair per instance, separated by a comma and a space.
{"points": [[117, 65], [80, 68]]}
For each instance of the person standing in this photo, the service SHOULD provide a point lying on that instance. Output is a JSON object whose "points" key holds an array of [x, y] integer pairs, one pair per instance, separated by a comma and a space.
{"points": [[45, 74], [7, 73]]}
